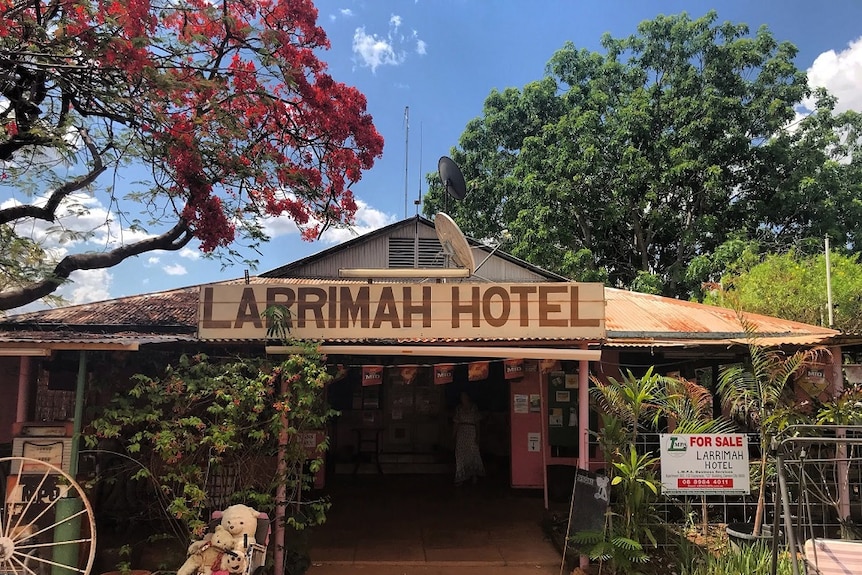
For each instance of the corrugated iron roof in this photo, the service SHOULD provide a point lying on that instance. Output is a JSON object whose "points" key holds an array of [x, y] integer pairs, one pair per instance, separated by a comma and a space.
{"points": [[632, 320], [637, 317]]}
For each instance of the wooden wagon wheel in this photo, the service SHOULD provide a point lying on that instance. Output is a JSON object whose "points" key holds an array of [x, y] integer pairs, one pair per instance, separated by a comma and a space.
{"points": [[47, 526]]}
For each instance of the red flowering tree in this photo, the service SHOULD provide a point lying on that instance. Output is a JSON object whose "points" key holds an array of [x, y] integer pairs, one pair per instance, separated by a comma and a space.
{"points": [[223, 103]]}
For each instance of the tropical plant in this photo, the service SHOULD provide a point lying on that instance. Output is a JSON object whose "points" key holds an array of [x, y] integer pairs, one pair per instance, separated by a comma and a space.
{"points": [[759, 395], [639, 487], [621, 554], [630, 405], [633, 401], [129, 126]]}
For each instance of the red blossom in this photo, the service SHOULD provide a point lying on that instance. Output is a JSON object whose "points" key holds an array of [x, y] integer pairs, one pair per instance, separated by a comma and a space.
{"points": [[229, 101]]}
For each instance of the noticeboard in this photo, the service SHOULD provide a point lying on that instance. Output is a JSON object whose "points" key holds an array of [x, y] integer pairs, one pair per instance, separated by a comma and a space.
{"points": [[563, 409]]}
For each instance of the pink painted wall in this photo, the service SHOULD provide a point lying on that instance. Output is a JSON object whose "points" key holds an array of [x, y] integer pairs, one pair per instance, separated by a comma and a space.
{"points": [[527, 468]]}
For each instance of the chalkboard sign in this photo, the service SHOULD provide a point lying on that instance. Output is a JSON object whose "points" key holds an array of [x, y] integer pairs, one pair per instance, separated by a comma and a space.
{"points": [[591, 496]]}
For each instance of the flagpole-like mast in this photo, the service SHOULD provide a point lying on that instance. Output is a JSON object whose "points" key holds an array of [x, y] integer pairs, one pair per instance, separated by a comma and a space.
{"points": [[406, 152], [418, 200]]}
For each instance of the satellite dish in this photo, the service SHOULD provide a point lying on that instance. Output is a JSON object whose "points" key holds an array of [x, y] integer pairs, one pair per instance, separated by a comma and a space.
{"points": [[452, 178], [453, 241]]}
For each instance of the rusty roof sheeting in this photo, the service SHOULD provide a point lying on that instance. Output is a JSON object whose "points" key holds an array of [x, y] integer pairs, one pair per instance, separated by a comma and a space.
{"points": [[632, 315]]}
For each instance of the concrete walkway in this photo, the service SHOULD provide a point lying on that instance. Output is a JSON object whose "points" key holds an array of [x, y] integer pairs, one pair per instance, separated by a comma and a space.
{"points": [[423, 525]]}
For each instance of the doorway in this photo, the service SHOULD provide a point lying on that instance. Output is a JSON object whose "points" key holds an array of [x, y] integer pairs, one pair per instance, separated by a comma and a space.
{"points": [[403, 424]]}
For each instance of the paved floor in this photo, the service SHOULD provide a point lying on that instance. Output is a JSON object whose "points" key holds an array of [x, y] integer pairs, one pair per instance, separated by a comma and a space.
{"points": [[424, 525]]}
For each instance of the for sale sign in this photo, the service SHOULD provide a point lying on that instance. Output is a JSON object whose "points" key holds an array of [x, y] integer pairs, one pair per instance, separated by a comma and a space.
{"points": [[704, 464]]}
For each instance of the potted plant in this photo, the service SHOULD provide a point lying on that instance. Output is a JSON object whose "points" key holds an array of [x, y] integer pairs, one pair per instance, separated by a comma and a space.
{"points": [[759, 395]]}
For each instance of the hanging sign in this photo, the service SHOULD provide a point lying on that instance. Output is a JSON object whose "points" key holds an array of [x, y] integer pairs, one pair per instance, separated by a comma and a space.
{"points": [[513, 368], [477, 370], [813, 381], [704, 464], [407, 373], [372, 375], [443, 373]]}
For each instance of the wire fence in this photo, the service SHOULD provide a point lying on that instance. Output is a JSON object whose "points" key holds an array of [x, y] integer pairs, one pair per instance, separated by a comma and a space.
{"points": [[814, 470]]}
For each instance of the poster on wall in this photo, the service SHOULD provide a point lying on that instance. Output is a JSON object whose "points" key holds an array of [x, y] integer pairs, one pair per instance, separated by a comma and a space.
{"points": [[520, 403]]}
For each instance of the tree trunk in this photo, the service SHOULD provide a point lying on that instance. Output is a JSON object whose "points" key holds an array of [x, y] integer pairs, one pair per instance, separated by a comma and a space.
{"points": [[761, 496]]}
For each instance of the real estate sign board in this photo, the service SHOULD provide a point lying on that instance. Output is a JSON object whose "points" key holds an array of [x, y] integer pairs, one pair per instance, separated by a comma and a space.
{"points": [[704, 464]]}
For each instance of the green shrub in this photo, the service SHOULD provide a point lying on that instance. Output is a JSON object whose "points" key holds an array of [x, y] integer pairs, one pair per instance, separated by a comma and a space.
{"points": [[755, 559]]}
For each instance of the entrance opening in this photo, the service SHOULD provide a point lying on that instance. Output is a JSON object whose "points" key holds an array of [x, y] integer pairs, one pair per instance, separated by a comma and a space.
{"points": [[403, 425]]}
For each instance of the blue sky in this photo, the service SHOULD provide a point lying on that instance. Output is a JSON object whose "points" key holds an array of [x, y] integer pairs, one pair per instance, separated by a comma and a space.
{"points": [[441, 58]]}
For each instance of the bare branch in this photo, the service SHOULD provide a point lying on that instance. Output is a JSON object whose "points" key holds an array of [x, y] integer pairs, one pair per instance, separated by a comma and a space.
{"points": [[48, 211], [172, 240]]}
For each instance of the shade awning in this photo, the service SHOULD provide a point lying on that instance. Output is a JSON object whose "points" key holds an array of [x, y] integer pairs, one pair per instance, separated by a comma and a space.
{"points": [[450, 351]]}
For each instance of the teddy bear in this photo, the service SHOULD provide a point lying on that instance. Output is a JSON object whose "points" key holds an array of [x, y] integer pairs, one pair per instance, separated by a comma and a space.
{"points": [[232, 563], [240, 521], [209, 554]]}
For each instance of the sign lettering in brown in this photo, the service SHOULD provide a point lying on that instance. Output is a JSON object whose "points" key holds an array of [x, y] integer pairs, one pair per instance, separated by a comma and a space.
{"points": [[320, 311]]}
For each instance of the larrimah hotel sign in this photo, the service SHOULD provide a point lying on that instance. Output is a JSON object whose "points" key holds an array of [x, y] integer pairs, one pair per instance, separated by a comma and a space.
{"points": [[321, 311]]}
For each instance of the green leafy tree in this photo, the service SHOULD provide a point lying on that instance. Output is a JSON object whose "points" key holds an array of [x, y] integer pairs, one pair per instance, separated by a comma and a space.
{"points": [[201, 415], [792, 285], [627, 165]]}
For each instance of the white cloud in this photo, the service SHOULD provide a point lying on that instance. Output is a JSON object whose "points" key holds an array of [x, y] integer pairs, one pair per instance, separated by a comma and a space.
{"points": [[152, 261], [346, 12], [841, 74], [374, 50], [367, 219], [190, 254], [175, 270], [87, 224], [87, 286]]}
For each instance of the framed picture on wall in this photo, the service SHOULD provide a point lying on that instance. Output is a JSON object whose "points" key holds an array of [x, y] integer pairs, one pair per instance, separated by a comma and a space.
{"points": [[557, 379]]}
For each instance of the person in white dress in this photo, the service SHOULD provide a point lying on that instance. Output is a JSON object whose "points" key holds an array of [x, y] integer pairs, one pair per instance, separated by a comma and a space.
{"points": [[468, 459]]}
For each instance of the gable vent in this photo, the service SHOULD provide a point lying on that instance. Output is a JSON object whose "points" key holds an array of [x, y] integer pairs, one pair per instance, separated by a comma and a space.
{"points": [[402, 253]]}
